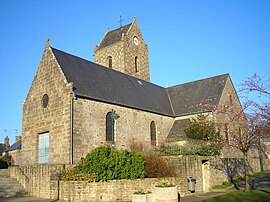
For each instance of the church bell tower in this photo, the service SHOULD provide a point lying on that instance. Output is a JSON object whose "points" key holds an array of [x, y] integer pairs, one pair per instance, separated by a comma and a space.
{"points": [[124, 50]]}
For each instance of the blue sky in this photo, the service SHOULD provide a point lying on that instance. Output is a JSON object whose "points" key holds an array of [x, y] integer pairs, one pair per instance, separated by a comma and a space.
{"points": [[187, 39]]}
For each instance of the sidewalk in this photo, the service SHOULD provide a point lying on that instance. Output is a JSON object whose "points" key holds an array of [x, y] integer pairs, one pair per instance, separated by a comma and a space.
{"points": [[28, 199], [201, 197]]}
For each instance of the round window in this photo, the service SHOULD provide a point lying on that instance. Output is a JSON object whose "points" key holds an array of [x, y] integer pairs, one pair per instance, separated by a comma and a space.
{"points": [[45, 100]]}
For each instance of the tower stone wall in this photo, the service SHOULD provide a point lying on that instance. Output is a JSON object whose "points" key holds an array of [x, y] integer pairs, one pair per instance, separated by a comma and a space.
{"points": [[129, 54]]}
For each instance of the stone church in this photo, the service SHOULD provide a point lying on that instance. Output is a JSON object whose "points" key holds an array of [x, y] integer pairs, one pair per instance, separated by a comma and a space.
{"points": [[67, 111]]}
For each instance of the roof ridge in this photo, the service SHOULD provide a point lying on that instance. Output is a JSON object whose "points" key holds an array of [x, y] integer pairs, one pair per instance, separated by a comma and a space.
{"points": [[120, 28], [170, 101], [226, 74]]}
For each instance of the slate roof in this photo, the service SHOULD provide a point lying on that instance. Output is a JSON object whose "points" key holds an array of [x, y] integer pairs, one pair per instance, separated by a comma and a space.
{"points": [[113, 36], [177, 132], [197, 96], [94, 81], [16, 145]]}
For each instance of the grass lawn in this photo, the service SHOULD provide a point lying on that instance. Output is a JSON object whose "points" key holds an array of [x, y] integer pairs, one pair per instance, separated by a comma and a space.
{"points": [[241, 196]]}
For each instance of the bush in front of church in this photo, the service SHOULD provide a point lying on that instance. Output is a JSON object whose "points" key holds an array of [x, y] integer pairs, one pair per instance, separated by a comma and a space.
{"points": [[109, 164]]}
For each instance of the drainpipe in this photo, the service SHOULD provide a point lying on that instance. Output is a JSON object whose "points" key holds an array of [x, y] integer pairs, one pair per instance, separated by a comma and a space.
{"points": [[71, 128]]}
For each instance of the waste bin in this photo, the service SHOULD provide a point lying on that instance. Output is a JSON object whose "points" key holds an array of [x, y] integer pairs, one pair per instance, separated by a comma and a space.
{"points": [[191, 184]]}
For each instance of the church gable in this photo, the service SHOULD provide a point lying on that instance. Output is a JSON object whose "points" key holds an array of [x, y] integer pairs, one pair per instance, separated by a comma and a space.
{"points": [[48, 68], [46, 110]]}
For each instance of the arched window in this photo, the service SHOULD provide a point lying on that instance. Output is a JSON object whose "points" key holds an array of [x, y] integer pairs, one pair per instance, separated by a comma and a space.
{"points": [[108, 127], [136, 64], [110, 61], [153, 133]]}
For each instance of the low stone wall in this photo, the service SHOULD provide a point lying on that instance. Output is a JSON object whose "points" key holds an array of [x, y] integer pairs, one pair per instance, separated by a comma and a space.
{"points": [[40, 181], [116, 190]]}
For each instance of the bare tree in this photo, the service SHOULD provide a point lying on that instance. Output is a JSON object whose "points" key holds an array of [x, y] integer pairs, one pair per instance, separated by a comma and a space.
{"points": [[249, 123]]}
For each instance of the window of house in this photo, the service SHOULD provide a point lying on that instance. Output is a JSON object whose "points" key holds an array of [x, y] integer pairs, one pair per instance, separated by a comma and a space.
{"points": [[153, 133], [110, 61], [43, 148], [108, 127], [136, 64]]}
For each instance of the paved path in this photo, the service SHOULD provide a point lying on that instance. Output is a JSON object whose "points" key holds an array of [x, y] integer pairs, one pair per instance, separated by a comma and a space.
{"points": [[28, 199], [261, 182], [201, 197]]}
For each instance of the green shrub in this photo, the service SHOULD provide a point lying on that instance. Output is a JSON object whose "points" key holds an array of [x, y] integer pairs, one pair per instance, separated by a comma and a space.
{"points": [[170, 149], [203, 150], [109, 164], [5, 161], [174, 150]]}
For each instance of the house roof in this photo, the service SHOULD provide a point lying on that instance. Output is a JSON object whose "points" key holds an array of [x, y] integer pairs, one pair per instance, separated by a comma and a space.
{"points": [[94, 81], [197, 96], [113, 36], [15, 146]]}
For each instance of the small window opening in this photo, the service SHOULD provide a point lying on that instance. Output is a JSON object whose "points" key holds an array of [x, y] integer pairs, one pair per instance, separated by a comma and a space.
{"points": [[110, 61], [231, 101], [136, 64]]}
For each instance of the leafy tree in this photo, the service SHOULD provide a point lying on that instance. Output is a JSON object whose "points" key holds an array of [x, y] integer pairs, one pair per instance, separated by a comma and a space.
{"points": [[202, 129]]}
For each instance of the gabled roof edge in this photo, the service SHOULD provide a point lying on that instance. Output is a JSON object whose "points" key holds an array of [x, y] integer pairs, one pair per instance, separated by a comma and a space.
{"points": [[123, 105], [228, 76]]}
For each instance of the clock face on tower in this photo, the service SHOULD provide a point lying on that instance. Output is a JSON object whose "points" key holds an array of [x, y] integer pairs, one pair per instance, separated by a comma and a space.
{"points": [[135, 40]]}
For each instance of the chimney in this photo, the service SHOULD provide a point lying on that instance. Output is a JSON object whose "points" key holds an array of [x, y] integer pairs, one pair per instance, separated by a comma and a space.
{"points": [[17, 138], [7, 141]]}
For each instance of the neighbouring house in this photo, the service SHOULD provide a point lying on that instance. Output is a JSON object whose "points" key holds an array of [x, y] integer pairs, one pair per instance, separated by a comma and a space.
{"points": [[15, 151], [4, 146], [67, 111]]}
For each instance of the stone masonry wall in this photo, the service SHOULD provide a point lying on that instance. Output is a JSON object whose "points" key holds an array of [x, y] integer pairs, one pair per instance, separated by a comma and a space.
{"points": [[55, 118], [230, 112], [116, 51], [40, 181], [140, 50], [90, 126]]}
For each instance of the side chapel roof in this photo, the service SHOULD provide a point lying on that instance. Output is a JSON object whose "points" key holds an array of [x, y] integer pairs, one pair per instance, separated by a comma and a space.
{"points": [[197, 96], [94, 81]]}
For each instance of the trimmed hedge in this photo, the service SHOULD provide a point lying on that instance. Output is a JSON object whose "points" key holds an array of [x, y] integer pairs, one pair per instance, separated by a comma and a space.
{"points": [[108, 164]]}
